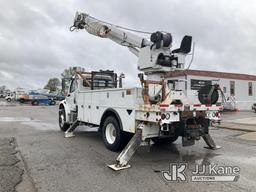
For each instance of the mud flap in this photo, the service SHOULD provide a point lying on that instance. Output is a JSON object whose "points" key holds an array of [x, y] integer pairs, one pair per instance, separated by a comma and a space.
{"points": [[210, 142], [187, 142]]}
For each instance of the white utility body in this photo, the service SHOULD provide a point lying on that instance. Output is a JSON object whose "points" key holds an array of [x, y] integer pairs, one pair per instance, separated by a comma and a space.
{"points": [[128, 116]]}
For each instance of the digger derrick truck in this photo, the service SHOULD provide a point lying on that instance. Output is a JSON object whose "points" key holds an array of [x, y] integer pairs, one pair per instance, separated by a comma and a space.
{"points": [[126, 117]]}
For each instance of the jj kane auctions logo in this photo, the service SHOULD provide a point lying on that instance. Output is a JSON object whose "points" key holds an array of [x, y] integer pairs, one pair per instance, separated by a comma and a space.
{"points": [[201, 173]]}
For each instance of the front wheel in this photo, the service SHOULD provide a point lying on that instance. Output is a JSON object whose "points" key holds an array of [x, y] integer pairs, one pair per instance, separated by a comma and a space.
{"points": [[113, 137], [62, 120]]}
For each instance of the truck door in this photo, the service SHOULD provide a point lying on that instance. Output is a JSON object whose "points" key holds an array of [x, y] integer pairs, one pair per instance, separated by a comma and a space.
{"points": [[71, 97]]}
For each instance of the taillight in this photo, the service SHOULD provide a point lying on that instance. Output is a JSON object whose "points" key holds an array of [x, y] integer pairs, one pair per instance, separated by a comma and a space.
{"points": [[164, 105]]}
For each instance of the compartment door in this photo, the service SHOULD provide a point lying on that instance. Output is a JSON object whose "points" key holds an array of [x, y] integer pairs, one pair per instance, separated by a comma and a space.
{"points": [[87, 107]]}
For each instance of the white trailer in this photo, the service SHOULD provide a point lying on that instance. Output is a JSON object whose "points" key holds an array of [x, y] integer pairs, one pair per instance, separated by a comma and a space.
{"points": [[128, 116]]}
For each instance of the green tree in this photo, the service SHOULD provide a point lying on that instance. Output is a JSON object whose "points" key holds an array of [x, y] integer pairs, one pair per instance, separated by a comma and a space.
{"points": [[53, 84], [68, 73], [2, 89]]}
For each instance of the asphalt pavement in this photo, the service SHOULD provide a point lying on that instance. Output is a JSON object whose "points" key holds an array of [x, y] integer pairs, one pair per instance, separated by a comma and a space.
{"points": [[49, 162], [10, 173]]}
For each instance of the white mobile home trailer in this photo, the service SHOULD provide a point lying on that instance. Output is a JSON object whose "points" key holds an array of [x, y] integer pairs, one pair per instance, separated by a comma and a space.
{"points": [[241, 88]]}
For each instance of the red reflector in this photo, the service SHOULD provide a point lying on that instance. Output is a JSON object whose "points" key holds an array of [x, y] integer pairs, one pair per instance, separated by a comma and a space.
{"points": [[208, 105], [219, 105], [197, 105], [164, 105]]}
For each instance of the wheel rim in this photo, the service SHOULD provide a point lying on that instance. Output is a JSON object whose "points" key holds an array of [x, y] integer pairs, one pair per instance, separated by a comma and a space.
{"points": [[62, 121], [110, 133]]}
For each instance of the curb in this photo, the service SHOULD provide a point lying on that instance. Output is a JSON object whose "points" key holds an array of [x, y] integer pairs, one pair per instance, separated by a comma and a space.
{"points": [[237, 128]]}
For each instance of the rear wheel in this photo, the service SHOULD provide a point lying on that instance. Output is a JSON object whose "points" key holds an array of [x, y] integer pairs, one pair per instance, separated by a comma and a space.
{"points": [[113, 137], [9, 99], [62, 120], [166, 140]]}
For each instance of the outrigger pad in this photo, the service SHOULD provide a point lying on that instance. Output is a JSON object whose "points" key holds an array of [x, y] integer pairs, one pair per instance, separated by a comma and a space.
{"points": [[115, 167], [209, 141], [213, 148], [69, 134]]}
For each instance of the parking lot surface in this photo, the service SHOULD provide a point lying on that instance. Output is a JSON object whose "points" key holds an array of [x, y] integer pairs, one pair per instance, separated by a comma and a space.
{"points": [[53, 163]]}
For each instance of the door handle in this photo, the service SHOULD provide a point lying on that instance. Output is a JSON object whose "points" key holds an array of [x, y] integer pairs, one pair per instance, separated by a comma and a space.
{"points": [[68, 95]]}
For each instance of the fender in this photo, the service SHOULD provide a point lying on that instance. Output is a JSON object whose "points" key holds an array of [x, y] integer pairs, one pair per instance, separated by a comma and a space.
{"points": [[113, 112], [66, 107]]}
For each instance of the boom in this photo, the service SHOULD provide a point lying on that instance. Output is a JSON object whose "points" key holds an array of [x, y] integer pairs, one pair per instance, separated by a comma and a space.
{"points": [[154, 55], [105, 30]]}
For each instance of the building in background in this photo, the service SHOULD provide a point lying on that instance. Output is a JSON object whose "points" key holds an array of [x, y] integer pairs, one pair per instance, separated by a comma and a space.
{"points": [[238, 88]]}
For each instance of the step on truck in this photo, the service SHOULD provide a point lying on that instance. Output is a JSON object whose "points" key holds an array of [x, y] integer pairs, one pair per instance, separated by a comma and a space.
{"points": [[126, 117]]}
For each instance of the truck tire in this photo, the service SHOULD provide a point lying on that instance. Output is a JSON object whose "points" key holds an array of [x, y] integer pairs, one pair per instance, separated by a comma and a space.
{"points": [[35, 102], [113, 137], [166, 140], [62, 121]]}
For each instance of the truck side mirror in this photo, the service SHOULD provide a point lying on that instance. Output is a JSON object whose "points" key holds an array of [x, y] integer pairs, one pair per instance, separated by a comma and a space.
{"points": [[63, 85]]}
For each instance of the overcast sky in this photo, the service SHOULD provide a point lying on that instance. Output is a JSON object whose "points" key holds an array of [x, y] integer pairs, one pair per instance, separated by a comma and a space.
{"points": [[36, 44]]}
